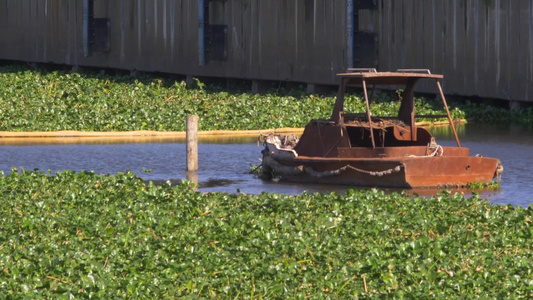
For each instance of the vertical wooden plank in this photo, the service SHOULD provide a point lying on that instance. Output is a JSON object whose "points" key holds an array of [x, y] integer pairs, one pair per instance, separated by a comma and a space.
{"points": [[71, 8], [268, 47], [127, 36], [112, 11], [493, 44], [471, 37], [529, 40], [386, 37], [139, 33], [420, 45], [493, 47], [391, 26], [302, 34], [288, 37], [164, 30], [253, 52], [161, 58], [409, 35], [428, 36], [461, 65], [40, 31], [31, 39], [438, 33], [449, 60], [182, 38], [243, 11], [504, 53], [481, 48], [518, 79], [57, 34], [172, 30], [320, 57], [5, 11], [27, 41], [4, 23], [233, 37], [399, 35], [464, 66], [338, 58]]}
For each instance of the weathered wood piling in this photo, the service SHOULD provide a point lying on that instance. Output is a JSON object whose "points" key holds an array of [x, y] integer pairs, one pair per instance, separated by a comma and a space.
{"points": [[192, 143]]}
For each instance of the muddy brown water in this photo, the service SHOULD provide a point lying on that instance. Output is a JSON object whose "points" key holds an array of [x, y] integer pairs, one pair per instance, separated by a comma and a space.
{"points": [[224, 165]]}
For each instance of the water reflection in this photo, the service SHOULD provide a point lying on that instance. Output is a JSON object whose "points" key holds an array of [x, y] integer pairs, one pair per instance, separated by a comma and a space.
{"points": [[224, 164]]}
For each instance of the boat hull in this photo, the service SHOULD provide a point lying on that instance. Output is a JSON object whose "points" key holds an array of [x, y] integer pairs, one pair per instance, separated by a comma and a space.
{"points": [[401, 172]]}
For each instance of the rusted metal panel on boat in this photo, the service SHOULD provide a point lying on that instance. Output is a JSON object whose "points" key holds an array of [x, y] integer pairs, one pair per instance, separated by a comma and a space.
{"points": [[450, 171], [322, 140]]}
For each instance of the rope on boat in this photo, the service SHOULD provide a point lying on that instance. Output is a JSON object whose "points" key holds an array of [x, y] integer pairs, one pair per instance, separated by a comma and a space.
{"points": [[321, 174], [433, 149], [434, 153], [499, 171], [297, 170]]}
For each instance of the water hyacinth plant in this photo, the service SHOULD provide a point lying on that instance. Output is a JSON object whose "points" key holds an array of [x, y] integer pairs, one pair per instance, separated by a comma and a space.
{"points": [[33, 100], [86, 235], [497, 115]]}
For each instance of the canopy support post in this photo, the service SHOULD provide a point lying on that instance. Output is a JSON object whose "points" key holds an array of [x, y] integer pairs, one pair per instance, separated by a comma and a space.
{"points": [[448, 112], [369, 115]]}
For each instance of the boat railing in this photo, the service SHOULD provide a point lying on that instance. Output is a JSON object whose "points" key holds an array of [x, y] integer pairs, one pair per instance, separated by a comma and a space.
{"points": [[362, 70], [425, 71], [431, 116], [363, 116]]}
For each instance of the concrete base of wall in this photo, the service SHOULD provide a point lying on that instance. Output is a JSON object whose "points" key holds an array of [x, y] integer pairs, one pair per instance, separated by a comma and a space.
{"points": [[313, 88], [231, 83], [189, 80], [261, 86], [514, 104]]}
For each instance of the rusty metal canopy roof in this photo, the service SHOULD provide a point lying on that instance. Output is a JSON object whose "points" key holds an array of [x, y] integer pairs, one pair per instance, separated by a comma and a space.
{"points": [[386, 78]]}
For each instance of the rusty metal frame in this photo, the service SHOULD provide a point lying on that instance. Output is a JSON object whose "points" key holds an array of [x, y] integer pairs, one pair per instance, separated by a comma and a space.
{"points": [[369, 115], [367, 73], [448, 113]]}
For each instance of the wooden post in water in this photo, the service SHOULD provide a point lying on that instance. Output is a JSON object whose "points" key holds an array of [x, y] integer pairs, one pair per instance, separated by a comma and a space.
{"points": [[192, 143]]}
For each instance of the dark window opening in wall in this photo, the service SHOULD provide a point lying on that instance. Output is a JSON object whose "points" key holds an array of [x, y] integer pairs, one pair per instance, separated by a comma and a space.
{"points": [[95, 31], [367, 4], [217, 42], [365, 52], [214, 31], [364, 43]]}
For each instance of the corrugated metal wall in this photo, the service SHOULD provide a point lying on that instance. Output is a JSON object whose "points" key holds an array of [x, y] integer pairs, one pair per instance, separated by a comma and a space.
{"points": [[297, 40], [483, 47]]}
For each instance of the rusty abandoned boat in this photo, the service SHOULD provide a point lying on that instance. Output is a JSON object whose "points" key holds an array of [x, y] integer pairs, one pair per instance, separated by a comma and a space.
{"points": [[366, 150]]}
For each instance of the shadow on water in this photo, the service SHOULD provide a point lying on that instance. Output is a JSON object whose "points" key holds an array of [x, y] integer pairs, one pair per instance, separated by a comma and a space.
{"points": [[224, 166]]}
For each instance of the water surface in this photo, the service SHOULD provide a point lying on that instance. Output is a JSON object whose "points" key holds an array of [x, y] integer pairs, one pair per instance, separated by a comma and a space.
{"points": [[225, 167]]}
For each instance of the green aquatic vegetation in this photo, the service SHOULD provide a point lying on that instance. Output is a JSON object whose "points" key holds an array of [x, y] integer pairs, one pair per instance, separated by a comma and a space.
{"points": [[82, 235], [495, 115], [32, 100], [476, 185]]}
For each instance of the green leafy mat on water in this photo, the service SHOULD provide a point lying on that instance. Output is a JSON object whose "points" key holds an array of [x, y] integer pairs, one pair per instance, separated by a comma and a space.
{"points": [[114, 236], [33, 100], [106, 236]]}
